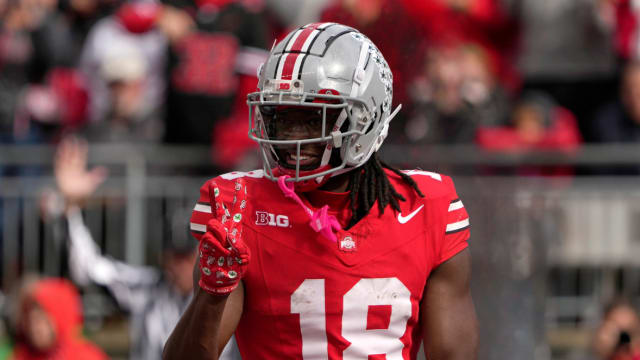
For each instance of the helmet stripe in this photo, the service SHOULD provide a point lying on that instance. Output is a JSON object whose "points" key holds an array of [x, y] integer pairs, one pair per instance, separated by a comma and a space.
{"points": [[296, 67], [281, 61], [287, 67], [301, 42], [301, 39], [293, 40], [305, 47]]}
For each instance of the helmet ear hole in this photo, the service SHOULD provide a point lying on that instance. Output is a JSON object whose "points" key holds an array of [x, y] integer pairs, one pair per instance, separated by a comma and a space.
{"points": [[345, 127]]}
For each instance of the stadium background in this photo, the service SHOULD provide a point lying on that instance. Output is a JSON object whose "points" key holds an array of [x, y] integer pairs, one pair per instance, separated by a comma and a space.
{"points": [[532, 106]]}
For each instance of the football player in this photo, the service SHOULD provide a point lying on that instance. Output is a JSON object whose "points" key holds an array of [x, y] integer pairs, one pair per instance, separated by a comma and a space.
{"points": [[328, 252]]}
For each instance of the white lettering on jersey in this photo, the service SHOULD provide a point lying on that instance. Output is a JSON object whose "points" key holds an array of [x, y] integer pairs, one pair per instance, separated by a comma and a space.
{"points": [[265, 218], [309, 301], [256, 174], [356, 306]]}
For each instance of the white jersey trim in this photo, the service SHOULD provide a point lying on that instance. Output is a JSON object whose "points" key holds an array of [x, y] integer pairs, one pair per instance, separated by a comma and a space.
{"points": [[430, 174], [456, 226], [198, 227], [456, 205], [206, 208]]}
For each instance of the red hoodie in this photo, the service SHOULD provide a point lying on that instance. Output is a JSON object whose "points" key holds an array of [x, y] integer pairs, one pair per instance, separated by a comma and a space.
{"points": [[60, 300]]}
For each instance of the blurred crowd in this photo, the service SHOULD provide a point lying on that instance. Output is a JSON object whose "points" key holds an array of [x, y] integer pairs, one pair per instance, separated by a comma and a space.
{"points": [[507, 75], [504, 75]]}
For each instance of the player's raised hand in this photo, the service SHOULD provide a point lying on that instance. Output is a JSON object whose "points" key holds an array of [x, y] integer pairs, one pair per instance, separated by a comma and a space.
{"points": [[223, 255], [74, 180]]}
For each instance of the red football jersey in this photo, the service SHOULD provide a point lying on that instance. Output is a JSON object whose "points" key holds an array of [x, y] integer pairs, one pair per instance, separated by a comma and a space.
{"points": [[307, 297]]}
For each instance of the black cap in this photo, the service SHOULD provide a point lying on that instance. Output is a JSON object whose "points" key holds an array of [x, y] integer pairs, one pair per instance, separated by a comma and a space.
{"points": [[177, 237]]}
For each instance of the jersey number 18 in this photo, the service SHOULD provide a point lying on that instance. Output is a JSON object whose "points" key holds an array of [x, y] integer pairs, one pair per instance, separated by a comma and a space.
{"points": [[309, 301]]}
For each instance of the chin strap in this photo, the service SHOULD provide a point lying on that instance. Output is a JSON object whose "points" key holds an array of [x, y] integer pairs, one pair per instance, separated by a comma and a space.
{"points": [[320, 220]]}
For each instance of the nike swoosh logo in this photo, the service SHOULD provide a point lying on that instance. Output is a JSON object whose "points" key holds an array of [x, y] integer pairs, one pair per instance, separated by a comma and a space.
{"points": [[404, 219]]}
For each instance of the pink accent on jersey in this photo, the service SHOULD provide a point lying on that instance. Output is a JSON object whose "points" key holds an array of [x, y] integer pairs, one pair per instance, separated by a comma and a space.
{"points": [[319, 220]]}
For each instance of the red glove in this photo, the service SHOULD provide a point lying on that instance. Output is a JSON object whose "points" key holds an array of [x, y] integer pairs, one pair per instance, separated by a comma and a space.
{"points": [[223, 255]]}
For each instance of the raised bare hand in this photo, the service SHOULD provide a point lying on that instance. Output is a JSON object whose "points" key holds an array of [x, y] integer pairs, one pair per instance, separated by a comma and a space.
{"points": [[74, 180]]}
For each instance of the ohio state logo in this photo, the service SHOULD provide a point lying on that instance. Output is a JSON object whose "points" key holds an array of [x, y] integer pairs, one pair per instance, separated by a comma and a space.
{"points": [[264, 218], [348, 244]]}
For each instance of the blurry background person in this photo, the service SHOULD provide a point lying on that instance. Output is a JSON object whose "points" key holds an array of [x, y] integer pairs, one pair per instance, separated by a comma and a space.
{"points": [[127, 114], [483, 23], [46, 111], [618, 336], [456, 94], [566, 50], [40, 44], [49, 324], [215, 49], [124, 60], [154, 299], [536, 123], [619, 121]]}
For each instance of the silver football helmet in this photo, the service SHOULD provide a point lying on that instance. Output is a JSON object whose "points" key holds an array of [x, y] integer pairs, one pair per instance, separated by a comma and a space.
{"points": [[330, 69]]}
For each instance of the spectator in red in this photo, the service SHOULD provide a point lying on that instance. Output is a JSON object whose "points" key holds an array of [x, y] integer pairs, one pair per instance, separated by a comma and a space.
{"points": [[626, 28], [50, 324], [482, 22], [46, 111], [537, 123], [216, 47], [391, 27]]}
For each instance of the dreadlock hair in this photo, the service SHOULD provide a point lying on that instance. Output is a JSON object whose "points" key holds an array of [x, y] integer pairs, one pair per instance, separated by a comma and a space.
{"points": [[370, 183]]}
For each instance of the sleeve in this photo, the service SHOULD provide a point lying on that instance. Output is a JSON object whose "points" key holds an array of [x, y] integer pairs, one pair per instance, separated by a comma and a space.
{"points": [[201, 213], [129, 284], [456, 224]]}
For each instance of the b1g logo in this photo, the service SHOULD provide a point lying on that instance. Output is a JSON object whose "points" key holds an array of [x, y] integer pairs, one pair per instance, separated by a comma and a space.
{"points": [[265, 218]]}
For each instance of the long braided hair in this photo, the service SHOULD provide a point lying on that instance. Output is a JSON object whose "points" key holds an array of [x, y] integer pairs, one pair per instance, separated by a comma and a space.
{"points": [[370, 183]]}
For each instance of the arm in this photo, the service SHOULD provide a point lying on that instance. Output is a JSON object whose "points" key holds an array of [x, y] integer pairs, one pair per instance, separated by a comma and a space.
{"points": [[215, 310], [191, 338], [232, 311], [127, 283], [208, 316], [448, 315]]}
